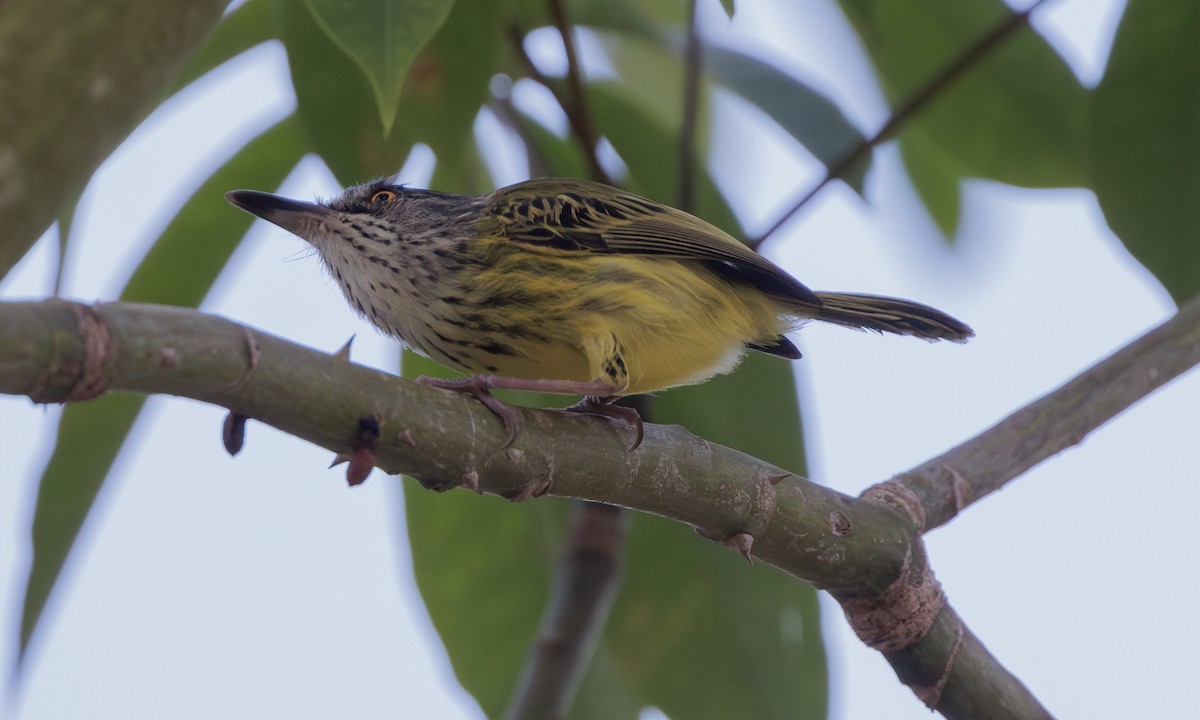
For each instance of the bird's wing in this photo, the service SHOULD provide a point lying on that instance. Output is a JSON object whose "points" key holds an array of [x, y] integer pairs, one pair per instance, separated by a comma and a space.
{"points": [[562, 216]]}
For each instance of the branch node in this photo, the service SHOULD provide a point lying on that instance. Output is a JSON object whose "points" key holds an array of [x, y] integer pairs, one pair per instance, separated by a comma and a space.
{"points": [[88, 377], [839, 524], [898, 497], [963, 496], [254, 353], [903, 614]]}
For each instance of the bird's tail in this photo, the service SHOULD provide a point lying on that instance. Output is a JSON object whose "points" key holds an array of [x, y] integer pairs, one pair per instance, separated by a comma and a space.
{"points": [[892, 315]]}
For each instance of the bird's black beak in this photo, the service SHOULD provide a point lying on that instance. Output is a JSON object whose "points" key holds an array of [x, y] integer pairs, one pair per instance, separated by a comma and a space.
{"points": [[291, 215]]}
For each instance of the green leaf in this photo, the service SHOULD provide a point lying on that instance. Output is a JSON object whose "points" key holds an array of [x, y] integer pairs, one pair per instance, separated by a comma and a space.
{"points": [[1017, 115], [936, 179], [447, 86], [808, 116], [178, 270], [382, 37], [727, 6], [73, 90], [1145, 141], [249, 25], [554, 156], [336, 104], [438, 104]]}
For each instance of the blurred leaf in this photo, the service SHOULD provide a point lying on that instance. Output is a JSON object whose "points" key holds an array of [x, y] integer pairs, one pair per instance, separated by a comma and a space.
{"points": [[936, 178], [178, 270], [483, 567], [249, 25], [447, 87], [1016, 116], [383, 38], [336, 104], [72, 91], [1145, 141], [727, 6], [438, 103], [561, 157], [807, 115], [462, 172], [66, 220]]}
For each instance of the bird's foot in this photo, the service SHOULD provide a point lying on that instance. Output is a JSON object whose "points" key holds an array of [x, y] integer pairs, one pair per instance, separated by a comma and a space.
{"points": [[620, 417]]}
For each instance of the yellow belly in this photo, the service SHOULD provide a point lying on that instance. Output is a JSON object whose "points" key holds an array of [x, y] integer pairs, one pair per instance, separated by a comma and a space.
{"points": [[675, 323]]}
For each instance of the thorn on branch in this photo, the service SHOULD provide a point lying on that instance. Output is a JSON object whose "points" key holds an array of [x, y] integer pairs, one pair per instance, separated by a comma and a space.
{"points": [[168, 357], [776, 479], [743, 542], [470, 480], [532, 489], [343, 353], [405, 437], [233, 433]]}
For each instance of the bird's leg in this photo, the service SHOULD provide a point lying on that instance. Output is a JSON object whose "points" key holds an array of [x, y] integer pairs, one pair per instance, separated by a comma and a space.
{"points": [[480, 387]]}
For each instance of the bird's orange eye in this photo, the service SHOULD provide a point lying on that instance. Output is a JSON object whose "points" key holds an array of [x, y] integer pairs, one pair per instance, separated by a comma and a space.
{"points": [[383, 196]]}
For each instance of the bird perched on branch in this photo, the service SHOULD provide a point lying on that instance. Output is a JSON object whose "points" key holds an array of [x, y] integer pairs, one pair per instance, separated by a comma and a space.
{"points": [[567, 286]]}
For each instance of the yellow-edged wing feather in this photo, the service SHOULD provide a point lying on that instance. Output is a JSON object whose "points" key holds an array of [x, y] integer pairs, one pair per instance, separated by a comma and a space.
{"points": [[560, 215]]}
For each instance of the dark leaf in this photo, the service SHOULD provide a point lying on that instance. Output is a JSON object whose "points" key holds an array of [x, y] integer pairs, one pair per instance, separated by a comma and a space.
{"points": [[66, 104], [383, 38], [1146, 141]]}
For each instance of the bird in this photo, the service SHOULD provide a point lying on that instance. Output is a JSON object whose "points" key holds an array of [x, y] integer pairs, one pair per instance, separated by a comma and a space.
{"points": [[567, 286]]}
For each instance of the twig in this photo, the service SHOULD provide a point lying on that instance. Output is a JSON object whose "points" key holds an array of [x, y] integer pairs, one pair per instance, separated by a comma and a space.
{"points": [[575, 105], [586, 581], [969, 58], [691, 99], [947, 484]]}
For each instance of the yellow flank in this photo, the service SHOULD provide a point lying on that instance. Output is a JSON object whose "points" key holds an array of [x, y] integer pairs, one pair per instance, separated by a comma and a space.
{"points": [[672, 322]]}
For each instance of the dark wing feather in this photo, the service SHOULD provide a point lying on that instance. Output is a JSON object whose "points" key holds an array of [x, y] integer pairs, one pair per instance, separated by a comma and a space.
{"points": [[564, 215]]}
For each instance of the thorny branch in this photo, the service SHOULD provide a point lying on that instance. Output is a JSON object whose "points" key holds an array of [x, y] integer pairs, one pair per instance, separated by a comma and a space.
{"points": [[866, 551]]}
